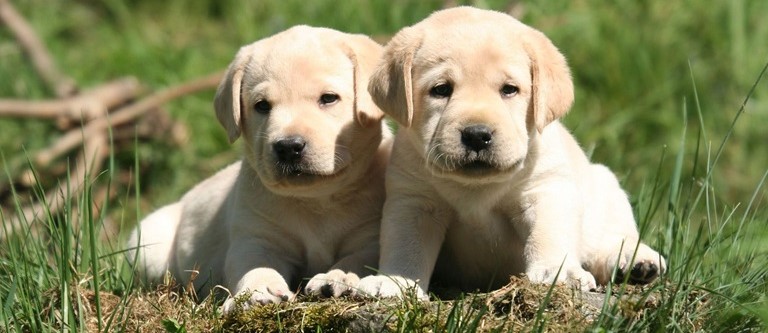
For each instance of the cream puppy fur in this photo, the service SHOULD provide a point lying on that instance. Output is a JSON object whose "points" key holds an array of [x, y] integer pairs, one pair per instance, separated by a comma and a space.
{"points": [[484, 182], [306, 200]]}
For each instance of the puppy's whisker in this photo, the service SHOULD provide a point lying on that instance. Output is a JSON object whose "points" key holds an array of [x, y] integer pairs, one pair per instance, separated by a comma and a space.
{"points": [[428, 161], [438, 158], [434, 149], [337, 159], [262, 135]]}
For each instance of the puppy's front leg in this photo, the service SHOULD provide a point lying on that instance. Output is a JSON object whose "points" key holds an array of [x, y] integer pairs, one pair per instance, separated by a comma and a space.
{"points": [[553, 230], [412, 233], [251, 268]]}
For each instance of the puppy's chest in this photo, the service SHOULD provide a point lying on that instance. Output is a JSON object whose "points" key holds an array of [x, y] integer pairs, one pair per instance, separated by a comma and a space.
{"points": [[492, 225], [325, 229], [324, 238], [491, 229], [491, 210], [486, 248]]}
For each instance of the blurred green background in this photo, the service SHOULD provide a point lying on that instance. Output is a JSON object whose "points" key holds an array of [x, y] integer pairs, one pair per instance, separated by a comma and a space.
{"points": [[634, 63]]}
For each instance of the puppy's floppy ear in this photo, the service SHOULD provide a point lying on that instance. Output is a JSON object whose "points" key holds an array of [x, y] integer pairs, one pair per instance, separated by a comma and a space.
{"points": [[391, 85], [364, 54], [552, 85], [227, 103]]}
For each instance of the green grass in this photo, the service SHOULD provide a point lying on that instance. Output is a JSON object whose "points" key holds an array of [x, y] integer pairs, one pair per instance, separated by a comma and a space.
{"points": [[668, 95]]}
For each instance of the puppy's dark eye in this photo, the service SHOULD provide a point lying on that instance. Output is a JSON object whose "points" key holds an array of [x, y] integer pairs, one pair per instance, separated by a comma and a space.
{"points": [[262, 107], [509, 90], [328, 98], [441, 90]]}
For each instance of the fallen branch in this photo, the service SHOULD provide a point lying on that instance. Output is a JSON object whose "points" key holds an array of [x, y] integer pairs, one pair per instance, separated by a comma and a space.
{"points": [[74, 137], [59, 83], [85, 106]]}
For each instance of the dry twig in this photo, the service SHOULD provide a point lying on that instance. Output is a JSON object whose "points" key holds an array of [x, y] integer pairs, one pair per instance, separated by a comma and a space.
{"points": [[85, 106], [128, 113]]}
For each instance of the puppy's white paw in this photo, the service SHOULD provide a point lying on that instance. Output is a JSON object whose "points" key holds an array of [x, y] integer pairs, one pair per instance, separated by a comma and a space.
{"points": [[258, 295], [647, 266], [388, 286], [575, 276], [335, 283]]}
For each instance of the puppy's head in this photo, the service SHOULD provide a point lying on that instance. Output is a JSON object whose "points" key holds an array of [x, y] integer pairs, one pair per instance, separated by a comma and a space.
{"points": [[471, 87], [298, 98]]}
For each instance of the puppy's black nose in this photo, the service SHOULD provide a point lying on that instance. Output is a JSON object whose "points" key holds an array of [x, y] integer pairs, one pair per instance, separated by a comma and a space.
{"points": [[476, 137], [290, 149]]}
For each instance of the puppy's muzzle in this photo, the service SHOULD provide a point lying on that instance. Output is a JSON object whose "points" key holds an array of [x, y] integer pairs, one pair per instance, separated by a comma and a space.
{"points": [[290, 150]]}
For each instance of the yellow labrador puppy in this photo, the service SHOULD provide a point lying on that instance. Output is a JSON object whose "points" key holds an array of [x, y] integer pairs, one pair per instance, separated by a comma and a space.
{"points": [[306, 200], [484, 182]]}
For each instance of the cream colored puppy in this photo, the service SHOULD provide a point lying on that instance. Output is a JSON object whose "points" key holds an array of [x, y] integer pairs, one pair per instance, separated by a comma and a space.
{"points": [[484, 182], [306, 200]]}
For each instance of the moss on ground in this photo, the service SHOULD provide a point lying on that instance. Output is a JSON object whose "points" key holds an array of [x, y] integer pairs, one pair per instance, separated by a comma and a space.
{"points": [[302, 316], [516, 307], [519, 306]]}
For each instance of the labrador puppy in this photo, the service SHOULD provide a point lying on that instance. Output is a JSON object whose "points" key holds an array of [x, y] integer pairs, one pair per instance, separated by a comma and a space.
{"points": [[484, 182], [306, 200]]}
